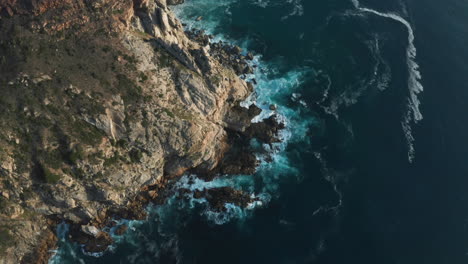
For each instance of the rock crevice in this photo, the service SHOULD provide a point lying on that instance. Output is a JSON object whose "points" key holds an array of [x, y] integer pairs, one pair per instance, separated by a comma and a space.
{"points": [[130, 102]]}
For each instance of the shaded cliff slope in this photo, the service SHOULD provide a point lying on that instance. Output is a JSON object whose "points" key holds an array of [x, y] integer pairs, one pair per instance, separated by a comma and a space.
{"points": [[100, 100]]}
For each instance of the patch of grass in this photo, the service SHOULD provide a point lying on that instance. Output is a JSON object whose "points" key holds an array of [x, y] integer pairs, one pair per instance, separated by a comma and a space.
{"points": [[121, 143], [99, 175], [21, 160], [196, 156], [53, 159], [216, 79], [75, 155], [132, 92], [3, 203], [106, 48], [85, 104], [147, 98], [165, 60], [169, 113], [183, 114], [53, 110], [118, 12], [143, 77], [143, 35], [87, 133], [130, 58], [41, 122], [112, 160], [76, 173], [6, 239], [50, 177], [145, 121]]}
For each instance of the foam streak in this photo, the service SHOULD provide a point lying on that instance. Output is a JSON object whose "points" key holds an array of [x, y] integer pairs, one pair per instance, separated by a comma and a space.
{"points": [[413, 115]]}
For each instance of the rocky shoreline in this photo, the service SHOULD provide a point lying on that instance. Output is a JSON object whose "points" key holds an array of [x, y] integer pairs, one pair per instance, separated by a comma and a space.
{"points": [[239, 159], [154, 102]]}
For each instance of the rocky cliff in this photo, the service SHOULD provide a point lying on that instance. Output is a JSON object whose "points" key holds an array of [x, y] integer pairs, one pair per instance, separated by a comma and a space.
{"points": [[103, 103]]}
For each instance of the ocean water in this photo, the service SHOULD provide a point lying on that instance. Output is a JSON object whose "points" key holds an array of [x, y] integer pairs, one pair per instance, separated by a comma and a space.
{"points": [[372, 167]]}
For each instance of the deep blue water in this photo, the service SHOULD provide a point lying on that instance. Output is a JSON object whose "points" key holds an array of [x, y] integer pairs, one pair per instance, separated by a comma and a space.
{"points": [[361, 177]]}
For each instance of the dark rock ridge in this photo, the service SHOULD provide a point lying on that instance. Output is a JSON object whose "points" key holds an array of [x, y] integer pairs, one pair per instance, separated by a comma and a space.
{"points": [[104, 105]]}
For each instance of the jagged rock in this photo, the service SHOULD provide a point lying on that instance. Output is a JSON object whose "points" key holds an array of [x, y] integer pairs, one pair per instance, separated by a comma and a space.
{"points": [[197, 194], [248, 70], [90, 230], [239, 118], [266, 131], [175, 2], [236, 50], [151, 103], [121, 230], [5, 195], [99, 244], [42, 78], [218, 197]]}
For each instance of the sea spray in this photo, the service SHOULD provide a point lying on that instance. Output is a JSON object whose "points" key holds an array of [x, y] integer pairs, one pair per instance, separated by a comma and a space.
{"points": [[65, 248], [273, 88], [147, 239]]}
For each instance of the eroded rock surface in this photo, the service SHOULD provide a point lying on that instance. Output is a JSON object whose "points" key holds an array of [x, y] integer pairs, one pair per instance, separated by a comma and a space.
{"points": [[103, 104]]}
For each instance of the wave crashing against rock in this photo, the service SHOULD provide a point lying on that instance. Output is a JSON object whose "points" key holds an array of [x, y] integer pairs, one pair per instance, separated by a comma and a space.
{"points": [[131, 102]]}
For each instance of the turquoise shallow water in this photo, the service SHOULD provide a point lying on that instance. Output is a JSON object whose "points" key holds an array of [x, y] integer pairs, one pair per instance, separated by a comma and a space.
{"points": [[370, 167]]}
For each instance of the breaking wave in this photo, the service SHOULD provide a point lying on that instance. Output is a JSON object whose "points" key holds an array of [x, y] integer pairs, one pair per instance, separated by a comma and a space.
{"points": [[272, 88]]}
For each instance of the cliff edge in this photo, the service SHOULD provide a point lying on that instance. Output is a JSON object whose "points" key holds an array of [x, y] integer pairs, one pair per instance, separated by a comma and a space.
{"points": [[103, 103]]}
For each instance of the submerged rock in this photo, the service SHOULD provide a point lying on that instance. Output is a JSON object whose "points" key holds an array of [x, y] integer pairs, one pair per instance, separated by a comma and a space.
{"points": [[121, 230], [103, 135]]}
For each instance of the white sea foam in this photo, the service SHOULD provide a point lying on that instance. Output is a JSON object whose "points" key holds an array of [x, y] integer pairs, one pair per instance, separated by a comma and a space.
{"points": [[379, 80], [413, 115], [272, 87], [326, 92], [349, 96], [270, 172], [329, 176], [261, 3], [298, 9], [192, 9], [232, 212]]}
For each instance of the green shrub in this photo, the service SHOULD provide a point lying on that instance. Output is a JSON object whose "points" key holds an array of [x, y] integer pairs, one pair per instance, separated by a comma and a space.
{"points": [[132, 93], [169, 113], [118, 12], [3, 203], [75, 155], [106, 48], [121, 143], [53, 159], [79, 173], [50, 177], [135, 155], [88, 134], [147, 98], [6, 239], [143, 77], [112, 160]]}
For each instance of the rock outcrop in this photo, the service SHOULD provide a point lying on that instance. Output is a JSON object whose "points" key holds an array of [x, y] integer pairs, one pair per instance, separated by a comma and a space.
{"points": [[104, 103]]}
